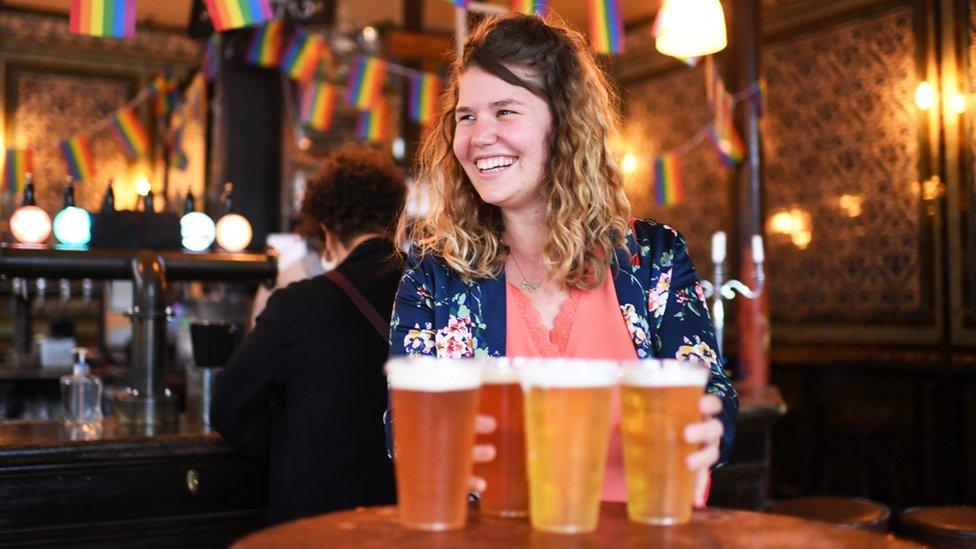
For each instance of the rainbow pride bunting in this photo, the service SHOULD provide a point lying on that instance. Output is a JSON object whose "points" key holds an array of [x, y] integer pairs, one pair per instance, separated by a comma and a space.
{"points": [[606, 26], [177, 156], [231, 14], [425, 89], [530, 7], [165, 91], [316, 105], [302, 56], [265, 49], [77, 155], [727, 142], [17, 163], [111, 18], [668, 189], [211, 58], [374, 124], [131, 134], [366, 78]]}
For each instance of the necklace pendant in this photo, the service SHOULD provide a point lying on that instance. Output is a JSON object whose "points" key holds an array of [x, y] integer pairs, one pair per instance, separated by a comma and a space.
{"points": [[529, 287]]}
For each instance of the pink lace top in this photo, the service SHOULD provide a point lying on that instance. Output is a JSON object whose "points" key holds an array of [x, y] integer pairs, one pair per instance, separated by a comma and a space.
{"points": [[588, 325]]}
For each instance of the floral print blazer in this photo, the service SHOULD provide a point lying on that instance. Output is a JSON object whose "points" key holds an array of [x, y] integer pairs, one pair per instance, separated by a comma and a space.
{"points": [[660, 296]]}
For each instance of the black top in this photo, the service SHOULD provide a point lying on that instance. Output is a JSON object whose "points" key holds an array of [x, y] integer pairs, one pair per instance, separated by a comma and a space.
{"points": [[306, 391]]}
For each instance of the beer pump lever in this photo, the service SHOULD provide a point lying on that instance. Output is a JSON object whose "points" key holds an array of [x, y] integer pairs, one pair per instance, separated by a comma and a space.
{"points": [[721, 289]]}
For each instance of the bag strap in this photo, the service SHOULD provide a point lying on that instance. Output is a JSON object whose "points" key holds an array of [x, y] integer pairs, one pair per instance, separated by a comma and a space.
{"points": [[374, 318]]}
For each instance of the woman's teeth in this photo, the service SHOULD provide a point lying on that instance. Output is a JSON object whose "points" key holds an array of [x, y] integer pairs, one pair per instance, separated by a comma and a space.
{"points": [[495, 164]]}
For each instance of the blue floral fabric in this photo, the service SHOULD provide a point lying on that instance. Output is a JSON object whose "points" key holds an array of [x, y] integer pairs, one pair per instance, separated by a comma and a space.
{"points": [[660, 296]]}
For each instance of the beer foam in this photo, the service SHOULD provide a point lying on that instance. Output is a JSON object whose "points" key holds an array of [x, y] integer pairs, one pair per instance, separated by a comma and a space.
{"points": [[568, 373], [432, 375], [664, 373], [500, 375]]}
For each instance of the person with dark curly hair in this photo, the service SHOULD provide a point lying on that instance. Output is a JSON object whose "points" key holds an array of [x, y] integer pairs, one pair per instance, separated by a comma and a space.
{"points": [[306, 390]]}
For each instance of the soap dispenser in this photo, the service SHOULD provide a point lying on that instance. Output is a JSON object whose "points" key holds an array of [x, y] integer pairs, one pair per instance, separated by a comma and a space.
{"points": [[81, 394]]}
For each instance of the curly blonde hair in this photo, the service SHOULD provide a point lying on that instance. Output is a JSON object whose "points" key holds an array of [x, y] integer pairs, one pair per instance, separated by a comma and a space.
{"points": [[587, 208]]}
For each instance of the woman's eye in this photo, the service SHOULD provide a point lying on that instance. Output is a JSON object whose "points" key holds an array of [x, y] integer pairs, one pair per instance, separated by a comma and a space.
{"points": [[465, 118], [504, 112]]}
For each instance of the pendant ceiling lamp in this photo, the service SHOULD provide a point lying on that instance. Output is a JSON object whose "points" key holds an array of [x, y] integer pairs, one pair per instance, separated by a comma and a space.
{"points": [[690, 28]]}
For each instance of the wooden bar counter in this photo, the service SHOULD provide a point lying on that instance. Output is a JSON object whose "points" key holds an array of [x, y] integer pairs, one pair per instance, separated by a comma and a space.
{"points": [[378, 527], [180, 486]]}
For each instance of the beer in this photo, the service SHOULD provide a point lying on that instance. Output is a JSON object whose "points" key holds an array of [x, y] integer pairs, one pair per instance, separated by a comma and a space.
{"points": [[507, 490], [434, 404], [567, 422], [658, 400]]}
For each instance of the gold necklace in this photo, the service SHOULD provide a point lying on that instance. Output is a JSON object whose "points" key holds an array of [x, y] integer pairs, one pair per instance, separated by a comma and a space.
{"points": [[529, 287]]}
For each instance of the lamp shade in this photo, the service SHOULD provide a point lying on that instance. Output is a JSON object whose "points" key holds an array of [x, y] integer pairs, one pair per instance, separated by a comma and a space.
{"points": [[30, 225], [233, 232], [690, 28]]}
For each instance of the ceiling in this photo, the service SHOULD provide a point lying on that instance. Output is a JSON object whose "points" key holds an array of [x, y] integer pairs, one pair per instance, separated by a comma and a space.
{"points": [[438, 14]]}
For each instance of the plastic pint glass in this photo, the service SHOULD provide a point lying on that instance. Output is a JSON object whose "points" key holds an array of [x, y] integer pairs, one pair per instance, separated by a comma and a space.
{"points": [[659, 398], [434, 402], [507, 489], [567, 422]]}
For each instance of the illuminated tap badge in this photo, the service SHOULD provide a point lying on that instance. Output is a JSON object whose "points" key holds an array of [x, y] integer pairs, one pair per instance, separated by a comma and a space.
{"points": [[197, 231]]}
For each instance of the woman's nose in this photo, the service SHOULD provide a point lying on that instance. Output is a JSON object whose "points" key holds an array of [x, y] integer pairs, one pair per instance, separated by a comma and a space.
{"points": [[484, 133]]}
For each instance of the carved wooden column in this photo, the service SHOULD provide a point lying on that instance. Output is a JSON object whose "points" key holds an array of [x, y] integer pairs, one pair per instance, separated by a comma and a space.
{"points": [[752, 318]]}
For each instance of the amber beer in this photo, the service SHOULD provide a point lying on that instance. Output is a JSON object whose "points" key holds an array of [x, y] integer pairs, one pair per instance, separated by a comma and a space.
{"points": [[434, 403], [567, 422], [507, 488], [659, 398]]}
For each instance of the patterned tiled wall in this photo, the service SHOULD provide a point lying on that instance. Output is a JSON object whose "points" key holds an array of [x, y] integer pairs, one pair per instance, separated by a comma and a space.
{"points": [[841, 153]]}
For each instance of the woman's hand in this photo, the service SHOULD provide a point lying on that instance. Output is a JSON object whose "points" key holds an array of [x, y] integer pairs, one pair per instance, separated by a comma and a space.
{"points": [[708, 433], [483, 453]]}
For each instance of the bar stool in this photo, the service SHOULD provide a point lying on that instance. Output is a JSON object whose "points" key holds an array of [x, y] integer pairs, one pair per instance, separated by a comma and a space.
{"points": [[858, 513], [953, 526]]}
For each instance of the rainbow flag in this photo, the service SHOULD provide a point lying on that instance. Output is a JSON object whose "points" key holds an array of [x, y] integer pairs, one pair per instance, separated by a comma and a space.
{"points": [[425, 90], [530, 7], [165, 91], [177, 156], [606, 26], [231, 14], [461, 3], [727, 142], [374, 124], [302, 55], [316, 104], [17, 163], [130, 132], [366, 78], [77, 155], [211, 57], [112, 18], [668, 189], [265, 49]]}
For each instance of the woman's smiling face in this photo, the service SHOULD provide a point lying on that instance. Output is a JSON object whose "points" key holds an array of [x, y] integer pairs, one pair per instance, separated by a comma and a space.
{"points": [[501, 139]]}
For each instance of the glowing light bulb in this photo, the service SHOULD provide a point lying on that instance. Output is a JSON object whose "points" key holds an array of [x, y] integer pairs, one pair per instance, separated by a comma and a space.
{"points": [[233, 232], [143, 186], [957, 103], [72, 226], [30, 225], [924, 95], [198, 231], [629, 164]]}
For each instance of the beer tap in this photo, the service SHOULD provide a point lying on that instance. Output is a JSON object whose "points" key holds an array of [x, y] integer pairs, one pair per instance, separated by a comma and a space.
{"points": [[41, 297], [64, 295], [720, 289]]}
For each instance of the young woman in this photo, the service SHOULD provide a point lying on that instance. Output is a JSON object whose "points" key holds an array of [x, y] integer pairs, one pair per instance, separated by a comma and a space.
{"points": [[528, 248]]}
